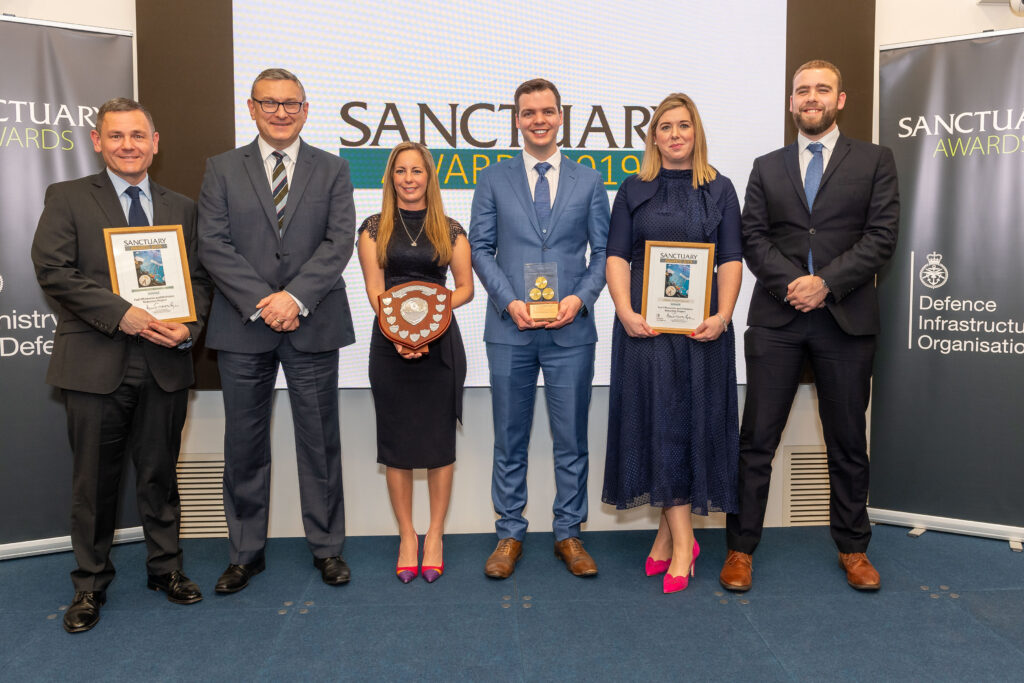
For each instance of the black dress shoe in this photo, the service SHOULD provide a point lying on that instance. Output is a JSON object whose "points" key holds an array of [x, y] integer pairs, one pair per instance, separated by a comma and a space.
{"points": [[236, 576], [333, 570], [178, 587], [84, 611]]}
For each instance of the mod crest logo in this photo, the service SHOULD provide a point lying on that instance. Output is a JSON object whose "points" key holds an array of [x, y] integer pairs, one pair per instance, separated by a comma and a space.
{"points": [[934, 274]]}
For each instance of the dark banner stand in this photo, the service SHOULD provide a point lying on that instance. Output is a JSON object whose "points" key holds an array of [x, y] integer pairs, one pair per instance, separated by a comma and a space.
{"points": [[946, 426], [55, 78]]}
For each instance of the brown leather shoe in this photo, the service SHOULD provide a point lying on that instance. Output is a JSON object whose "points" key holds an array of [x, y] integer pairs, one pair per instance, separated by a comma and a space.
{"points": [[578, 560], [859, 572], [502, 561], [737, 571]]}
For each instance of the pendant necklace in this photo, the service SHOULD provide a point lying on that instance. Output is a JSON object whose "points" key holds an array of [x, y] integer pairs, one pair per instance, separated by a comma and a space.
{"points": [[411, 238]]}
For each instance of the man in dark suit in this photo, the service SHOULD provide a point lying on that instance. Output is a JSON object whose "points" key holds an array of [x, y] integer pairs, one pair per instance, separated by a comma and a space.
{"points": [[276, 228], [819, 221], [124, 374], [540, 208]]}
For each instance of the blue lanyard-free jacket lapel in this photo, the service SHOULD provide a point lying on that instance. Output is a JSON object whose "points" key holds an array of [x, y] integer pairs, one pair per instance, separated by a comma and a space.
{"points": [[567, 175], [521, 189]]}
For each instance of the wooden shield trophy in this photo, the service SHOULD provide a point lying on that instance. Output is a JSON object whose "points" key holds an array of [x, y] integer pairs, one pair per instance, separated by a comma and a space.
{"points": [[415, 313]]}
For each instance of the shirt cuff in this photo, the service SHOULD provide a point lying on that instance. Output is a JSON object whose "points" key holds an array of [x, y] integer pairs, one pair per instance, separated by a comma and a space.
{"points": [[303, 311]]}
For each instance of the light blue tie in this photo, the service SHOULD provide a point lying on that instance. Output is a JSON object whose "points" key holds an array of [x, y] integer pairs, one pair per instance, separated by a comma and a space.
{"points": [[812, 180], [542, 196]]}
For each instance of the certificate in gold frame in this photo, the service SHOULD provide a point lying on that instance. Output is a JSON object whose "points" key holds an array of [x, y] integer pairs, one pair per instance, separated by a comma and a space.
{"points": [[149, 269], [677, 285]]}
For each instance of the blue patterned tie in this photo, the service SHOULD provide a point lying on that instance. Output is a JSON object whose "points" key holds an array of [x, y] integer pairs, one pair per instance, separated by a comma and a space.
{"points": [[279, 187], [136, 214], [812, 180], [542, 196]]}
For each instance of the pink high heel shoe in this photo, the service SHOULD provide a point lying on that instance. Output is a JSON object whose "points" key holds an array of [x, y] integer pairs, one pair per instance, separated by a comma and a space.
{"points": [[674, 584], [653, 566]]}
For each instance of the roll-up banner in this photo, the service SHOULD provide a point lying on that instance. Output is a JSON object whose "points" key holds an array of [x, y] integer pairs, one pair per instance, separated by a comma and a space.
{"points": [[55, 77], [947, 419]]}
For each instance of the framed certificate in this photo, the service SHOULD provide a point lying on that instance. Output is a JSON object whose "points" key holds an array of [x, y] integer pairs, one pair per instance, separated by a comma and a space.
{"points": [[677, 285], [149, 269]]}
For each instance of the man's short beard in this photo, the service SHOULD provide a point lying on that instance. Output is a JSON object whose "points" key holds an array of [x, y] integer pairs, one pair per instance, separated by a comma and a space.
{"points": [[828, 117]]}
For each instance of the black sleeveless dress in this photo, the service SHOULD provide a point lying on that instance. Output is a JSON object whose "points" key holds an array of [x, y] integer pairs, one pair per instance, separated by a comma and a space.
{"points": [[417, 401]]}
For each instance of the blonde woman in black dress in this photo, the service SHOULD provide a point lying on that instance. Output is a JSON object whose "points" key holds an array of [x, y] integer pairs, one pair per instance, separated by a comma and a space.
{"points": [[417, 396]]}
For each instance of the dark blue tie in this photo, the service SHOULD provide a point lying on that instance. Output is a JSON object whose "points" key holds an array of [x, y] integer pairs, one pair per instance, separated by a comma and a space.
{"points": [[136, 214], [812, 180], [542, 196]]}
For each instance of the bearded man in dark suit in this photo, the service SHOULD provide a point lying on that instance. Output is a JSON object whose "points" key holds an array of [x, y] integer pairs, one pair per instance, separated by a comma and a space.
{"points": [[123, 373], [819, 221]]}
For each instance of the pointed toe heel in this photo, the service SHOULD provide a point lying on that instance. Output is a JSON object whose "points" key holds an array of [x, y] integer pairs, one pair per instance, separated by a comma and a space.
{"points": [[432, 574], [654, 567]]}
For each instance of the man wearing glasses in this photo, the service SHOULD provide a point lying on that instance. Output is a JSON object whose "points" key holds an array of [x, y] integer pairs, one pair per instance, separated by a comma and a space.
{"points": [[276, 229]]}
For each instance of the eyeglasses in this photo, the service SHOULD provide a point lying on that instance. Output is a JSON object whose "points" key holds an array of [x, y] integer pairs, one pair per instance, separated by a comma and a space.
{"points": [[270, 106]]}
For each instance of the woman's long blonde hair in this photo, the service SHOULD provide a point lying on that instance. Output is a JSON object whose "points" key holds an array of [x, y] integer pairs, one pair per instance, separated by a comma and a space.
{"points": [[435, 223], [703, 172]]}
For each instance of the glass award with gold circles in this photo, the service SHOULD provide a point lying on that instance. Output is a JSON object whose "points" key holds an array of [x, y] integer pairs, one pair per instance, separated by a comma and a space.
{"points": [[541, 286]]}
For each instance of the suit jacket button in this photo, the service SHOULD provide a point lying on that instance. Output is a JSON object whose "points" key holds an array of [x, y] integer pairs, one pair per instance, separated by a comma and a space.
{"points": [[812, 231], [277, 256]]}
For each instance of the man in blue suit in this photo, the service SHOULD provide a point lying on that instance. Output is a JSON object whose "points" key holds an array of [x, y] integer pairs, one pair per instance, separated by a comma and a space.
{"points": [[540, 208], [276, 228]]}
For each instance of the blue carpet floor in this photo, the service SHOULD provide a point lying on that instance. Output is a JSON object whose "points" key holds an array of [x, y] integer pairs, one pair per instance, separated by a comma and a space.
{"points": [[951, 608]]}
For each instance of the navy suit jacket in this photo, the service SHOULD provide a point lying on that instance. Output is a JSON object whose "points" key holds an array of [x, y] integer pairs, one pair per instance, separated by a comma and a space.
{"points": [[70, 258], [504, 235], [852, 229], [248, 257]]}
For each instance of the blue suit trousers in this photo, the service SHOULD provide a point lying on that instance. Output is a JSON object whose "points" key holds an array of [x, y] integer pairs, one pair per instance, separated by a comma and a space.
{"points": [[568, 374]]}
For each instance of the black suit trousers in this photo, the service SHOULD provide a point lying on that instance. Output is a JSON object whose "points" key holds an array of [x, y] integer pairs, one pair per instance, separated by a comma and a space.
{"points": [[144, 422], [842, 373]]}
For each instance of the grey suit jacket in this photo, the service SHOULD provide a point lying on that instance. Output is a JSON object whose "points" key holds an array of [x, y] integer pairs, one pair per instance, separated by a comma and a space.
{"points": [[70, 260], [248, 257]]}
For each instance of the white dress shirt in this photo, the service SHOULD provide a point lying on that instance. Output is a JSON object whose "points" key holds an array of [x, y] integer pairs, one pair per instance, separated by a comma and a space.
{"points": [[145, 196], [552, 175], [828, 143], [291, 153]]}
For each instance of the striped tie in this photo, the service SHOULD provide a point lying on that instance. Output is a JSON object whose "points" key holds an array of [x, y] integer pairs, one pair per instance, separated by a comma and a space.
{"points": [[279, 183]]}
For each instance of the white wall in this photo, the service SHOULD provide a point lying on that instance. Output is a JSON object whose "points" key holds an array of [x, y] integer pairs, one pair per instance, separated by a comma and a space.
{"points": [[114, 14], [119, 14]]}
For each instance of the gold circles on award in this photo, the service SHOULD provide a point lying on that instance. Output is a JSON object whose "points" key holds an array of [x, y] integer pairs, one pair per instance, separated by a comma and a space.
{"points": [[535, 294], [541, 282], [548, 293], [670, 290]]}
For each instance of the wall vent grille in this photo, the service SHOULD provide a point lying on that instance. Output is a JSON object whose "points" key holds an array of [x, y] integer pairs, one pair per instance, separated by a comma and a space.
{"points": [[805, 489], [201, 487]]}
